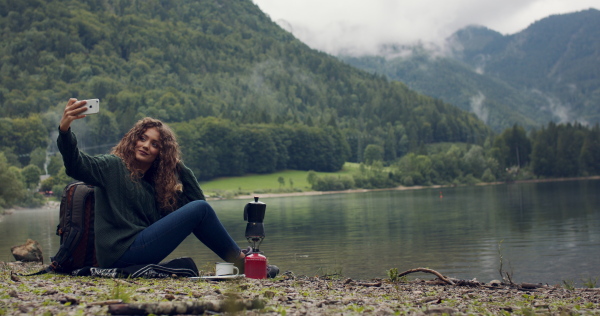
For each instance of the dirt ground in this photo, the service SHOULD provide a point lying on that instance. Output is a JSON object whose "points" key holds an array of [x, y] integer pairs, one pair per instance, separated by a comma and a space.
{"points": [[288, 294]]}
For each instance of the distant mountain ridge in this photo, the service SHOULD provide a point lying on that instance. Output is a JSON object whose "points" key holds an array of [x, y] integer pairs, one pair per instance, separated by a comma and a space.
{"points": [[548, 72]]}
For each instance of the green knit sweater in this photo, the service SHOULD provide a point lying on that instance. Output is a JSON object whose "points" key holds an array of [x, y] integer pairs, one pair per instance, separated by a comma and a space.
{"points": [[124, 207]]}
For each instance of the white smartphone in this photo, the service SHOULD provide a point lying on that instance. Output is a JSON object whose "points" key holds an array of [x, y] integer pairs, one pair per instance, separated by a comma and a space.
{"points": [[92, 105]]}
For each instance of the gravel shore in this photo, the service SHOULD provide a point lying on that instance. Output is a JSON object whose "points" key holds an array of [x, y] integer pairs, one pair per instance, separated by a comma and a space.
{"points": [[53, 294]]}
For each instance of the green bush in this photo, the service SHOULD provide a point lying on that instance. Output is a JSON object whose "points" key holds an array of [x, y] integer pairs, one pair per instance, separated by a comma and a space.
{"points": [[488, 176], [408, 181], [31, 176], [12, 188], [32, 199], [469, 179], [333, 183]]}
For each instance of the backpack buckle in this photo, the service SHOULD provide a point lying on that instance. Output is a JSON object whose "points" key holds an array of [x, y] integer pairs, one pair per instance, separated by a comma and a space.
{"points": [[54, 265]]}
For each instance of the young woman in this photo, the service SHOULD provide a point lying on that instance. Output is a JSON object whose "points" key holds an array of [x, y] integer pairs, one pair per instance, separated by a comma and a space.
{"points": [[147, 200]]}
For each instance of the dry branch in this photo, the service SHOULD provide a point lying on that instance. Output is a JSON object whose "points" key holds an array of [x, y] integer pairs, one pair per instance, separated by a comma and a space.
{"points": [[439, 275]]}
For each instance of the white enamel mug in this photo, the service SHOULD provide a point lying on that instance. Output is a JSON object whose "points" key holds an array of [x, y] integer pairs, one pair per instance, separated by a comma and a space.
{"points": [[226, 268]]}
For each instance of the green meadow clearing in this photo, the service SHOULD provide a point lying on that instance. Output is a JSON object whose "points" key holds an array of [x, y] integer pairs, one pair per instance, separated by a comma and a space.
{"points": [[293, 181]]}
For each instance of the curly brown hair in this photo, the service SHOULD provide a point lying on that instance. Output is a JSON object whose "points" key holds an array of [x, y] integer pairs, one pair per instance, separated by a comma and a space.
{"points": [[163, 172]]}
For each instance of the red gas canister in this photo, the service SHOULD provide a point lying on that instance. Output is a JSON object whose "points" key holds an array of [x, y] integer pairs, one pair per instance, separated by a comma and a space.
{"points": [[256, 266]]}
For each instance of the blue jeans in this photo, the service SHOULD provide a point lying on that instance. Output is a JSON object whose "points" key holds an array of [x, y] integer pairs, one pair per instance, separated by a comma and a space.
{"points": [[158, 240]]}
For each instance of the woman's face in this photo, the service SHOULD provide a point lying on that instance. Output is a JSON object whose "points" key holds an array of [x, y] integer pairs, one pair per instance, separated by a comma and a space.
{"points": [[147, 148]]}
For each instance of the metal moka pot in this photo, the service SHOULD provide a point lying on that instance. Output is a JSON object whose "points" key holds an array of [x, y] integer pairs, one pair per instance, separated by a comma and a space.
{"points": [[254, 213]]}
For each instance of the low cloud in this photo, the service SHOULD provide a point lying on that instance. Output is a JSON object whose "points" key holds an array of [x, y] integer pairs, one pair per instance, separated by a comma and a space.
{"points": [[478, 107], [360, 26], [561, 112]]}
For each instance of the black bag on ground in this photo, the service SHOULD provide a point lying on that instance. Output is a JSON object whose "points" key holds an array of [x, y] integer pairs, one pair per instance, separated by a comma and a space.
{"points": [[76, 230], [180, 267]]}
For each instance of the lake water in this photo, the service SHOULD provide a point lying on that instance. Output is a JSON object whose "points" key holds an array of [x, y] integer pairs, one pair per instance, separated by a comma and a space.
{"points": [[545, 232]]}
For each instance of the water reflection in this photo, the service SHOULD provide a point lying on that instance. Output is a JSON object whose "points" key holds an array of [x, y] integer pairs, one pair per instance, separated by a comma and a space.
{"points": [[546, 232]]}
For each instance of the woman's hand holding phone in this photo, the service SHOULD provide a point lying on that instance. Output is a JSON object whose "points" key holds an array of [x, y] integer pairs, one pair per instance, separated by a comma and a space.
{"points": [[73, 111]]}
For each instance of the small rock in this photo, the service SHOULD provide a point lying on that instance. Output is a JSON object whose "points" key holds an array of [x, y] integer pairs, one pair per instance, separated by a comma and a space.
{"points": [[269, 294], [509, 309], [244, 287], [50, 292], [170, 297], [31, 251], [24, 309], [14, 278], [233, 296], [429, 299], [440, 310], [68, 299], [531, 285], [347, 300], [495, 283]]}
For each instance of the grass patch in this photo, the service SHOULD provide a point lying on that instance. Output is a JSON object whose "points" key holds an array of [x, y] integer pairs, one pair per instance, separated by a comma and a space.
{"points": [[293, 181]]}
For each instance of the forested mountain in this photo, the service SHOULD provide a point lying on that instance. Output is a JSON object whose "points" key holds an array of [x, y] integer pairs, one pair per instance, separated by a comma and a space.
{"points": [[547, 72], [184, 61], [244, 96], [455, 82]]}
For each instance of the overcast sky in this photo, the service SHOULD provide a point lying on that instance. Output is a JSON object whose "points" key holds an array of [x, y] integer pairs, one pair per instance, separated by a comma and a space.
{"points": [[360, 25]]}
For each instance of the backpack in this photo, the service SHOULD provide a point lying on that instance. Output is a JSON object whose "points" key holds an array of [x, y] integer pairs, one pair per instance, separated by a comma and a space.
{"points": [[76, 230]]}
